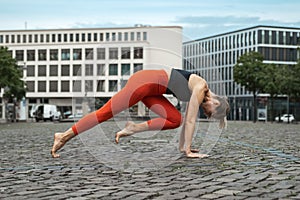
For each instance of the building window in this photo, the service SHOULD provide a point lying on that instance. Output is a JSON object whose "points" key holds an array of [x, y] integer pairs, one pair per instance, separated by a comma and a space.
{"points": [[76, 54], [65, 54], [107, 37], [126, 36], [65, 37], [113, 86], [89, 54], [77, 86], [42, 54], [77, 37], [125, 69], [53, 54], [12, 39], [71, 37], [47, 38], [100, 69], [65, 86], [89, 70], [36, 37], [53, 86], [138, 36], [77, 70], [41, 86], [89, 35], [59, 37], [101, 37], [83, 37], [138, 52], [65, 70], [132, 36], [88, 86], [113, 53], [113, 69], [30, 86], [53, 70], [53, 38], [41, 38], [100, 53], [101, 86], [20, 55], [125, 51], [119, 36], [30, 70], [144, 36], [24, 38], [95, 37], [137, 67], [42, 70], [1, 38], [113, 37], [30, 55]]}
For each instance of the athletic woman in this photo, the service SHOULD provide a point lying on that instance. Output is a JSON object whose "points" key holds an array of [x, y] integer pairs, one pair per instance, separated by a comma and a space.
{"points": [[149, 86]]}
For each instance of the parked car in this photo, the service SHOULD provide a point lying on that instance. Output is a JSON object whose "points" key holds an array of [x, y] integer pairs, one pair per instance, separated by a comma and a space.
{"points": [[76, 116], [285, 118], [47, 112]]}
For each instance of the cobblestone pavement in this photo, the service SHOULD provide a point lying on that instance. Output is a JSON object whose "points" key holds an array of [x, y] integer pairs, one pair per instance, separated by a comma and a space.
{"points": [[249, 161]]}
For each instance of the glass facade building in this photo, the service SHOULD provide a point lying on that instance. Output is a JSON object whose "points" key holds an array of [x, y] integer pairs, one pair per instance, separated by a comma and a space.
{"points": [[214, 58]]}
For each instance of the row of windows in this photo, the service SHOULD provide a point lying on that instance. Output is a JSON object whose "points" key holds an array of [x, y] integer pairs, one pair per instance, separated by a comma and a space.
{"points": [[241, 40], [76, 54], [74, 86], [79, 70], [279, 54], [73, 37]]}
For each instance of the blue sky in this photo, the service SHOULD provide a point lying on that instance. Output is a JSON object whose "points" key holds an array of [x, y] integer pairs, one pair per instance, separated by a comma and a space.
{"points": [[197, 17]]}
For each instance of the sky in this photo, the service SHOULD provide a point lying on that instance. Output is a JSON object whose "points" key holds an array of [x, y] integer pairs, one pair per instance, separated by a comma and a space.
{"points": [[198, 18]]}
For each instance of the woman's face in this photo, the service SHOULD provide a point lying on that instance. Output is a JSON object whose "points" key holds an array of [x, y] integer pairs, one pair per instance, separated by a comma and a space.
{"points": [[209, 106]]}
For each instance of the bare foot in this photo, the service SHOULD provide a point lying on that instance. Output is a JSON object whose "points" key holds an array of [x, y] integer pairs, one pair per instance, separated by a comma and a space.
{"points": [[196, 155], [128, 130], [58, 143]]}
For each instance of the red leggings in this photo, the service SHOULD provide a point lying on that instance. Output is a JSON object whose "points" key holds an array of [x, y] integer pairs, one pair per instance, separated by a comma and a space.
{"points": [[147, 86]]}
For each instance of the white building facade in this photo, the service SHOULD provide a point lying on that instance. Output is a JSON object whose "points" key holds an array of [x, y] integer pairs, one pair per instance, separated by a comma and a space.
{"points": [[64, 66], [214, 58]]}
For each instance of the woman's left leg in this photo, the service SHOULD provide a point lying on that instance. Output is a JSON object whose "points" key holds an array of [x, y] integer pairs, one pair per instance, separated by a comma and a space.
{"points": [[170, 117]]}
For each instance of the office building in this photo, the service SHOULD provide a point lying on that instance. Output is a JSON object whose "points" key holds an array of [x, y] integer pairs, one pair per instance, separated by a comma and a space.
{"points": [[65, 66], [214, 58]]}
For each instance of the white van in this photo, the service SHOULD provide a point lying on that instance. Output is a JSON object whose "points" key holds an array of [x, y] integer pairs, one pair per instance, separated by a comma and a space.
{"points": [[47, 112]]}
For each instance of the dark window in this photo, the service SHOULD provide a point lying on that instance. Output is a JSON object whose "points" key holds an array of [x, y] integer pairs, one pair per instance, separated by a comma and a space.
{"points": [[42, 53], [138, 52], [77, 86], [30, 55], [89, 86], [113, 69], [42, 70], [65, 70], [125, 69], [53, 86], [101, 86], [100, 69], [53, 54], [100, 53], [89, 70], [20, 55], [89, 54], [113, 86], [53, 69], [76, 54], [76, 70], [30, 86], [125, 51], [30, 70], [113, 53], [41, 86], [65, 86], [65, 54]]}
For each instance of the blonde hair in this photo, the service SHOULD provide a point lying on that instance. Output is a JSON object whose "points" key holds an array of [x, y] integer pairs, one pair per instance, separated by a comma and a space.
{"points": [[222, 110]]}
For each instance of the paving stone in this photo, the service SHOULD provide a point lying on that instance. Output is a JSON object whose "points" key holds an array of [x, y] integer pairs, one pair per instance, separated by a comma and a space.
{"points": [[250, 161]]}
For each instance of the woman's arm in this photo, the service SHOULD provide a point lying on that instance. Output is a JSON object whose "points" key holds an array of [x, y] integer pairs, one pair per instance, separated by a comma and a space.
{"points": [[198, 94]]}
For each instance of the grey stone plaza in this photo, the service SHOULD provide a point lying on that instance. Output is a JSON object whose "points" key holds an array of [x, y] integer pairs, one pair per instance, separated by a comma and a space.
{"points": [[248, 161]]}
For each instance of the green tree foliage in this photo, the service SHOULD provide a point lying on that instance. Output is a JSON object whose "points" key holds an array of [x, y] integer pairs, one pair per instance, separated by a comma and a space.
{"points": [[10, 76], [248, 72]]}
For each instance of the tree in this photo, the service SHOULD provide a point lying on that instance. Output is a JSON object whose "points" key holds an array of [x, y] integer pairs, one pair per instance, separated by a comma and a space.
{"points": [[10, 79], [248, 73], [10, 76], [271, 83]]}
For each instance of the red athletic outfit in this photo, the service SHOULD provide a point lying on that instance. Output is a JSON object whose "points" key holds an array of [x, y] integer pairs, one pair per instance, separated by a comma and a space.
{"points": [[147, 86]]}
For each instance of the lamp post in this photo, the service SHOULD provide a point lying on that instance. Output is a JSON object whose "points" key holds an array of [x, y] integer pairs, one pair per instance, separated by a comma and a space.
{"points": [[234, 102]]}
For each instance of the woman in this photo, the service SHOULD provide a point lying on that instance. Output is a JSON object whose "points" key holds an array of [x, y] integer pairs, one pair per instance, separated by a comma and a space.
{"points": [[149, 86]]}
